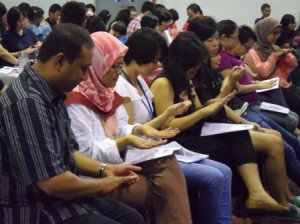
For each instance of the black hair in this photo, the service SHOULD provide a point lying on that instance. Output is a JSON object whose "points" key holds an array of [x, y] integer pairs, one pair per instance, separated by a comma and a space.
{"points": [[185, 52], [163, 15], [13, 15], [120, 27], [245, 34], [3, 9], [264, 6], [158, 6], [131, 7], [204, 27], [54, 8], [147, 6], [226, 27], [95, 24], [91, 6], [286, 34], [174, 14], [35, 13], [123, 16], [194, 8], [105, 15], [24, 7], [144, 45], [149, 21], [73, 12], [67, 39]]}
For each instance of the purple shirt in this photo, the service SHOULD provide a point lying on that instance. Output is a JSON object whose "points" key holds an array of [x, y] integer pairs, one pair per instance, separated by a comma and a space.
{"points": [[227, 62]]}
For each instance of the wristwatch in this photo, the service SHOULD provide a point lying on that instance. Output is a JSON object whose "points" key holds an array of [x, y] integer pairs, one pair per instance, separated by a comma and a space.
{"points": [[102, 168]]}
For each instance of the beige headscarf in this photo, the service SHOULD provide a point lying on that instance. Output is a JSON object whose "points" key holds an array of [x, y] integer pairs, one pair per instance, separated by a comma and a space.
{"points": [[262, 29]]}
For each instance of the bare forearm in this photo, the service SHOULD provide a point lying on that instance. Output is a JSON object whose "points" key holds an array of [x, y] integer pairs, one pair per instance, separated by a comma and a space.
{"points": [[248, 88], [159, 121], [86, 165], [122, 143], [228, 86], [188, 121], [69, 186], [233, 117]]}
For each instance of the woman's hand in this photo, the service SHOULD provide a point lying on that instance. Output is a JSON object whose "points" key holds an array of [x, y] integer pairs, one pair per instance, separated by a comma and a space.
{"points": [[265, 85], [215, 105], [30, 50], [140, 143], [150, 132], [178, 108], [237, 72]]}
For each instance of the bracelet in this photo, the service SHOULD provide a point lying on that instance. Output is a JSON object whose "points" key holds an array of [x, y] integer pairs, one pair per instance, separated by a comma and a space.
{"points": [[102, 168]]}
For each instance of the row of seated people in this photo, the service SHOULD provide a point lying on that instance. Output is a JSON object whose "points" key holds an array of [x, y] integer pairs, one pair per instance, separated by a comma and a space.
{"points": [[186, 94]]}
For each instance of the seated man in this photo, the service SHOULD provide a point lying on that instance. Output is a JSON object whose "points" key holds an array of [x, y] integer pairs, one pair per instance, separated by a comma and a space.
{"points": [[39, 161]]}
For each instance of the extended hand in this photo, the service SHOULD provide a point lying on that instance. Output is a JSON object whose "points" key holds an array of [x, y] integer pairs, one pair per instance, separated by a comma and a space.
{"points": [[266, 85], [141, 143], [179, 108], [150, 132]]}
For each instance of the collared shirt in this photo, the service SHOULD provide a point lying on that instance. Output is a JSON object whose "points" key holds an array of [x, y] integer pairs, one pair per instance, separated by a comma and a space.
{"points": [[36, 143], [41, 31], [134, 25], [13, 42]]}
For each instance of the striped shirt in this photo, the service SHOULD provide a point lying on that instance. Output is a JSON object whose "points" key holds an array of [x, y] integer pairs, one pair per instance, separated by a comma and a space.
{"points": [[36, 143]]}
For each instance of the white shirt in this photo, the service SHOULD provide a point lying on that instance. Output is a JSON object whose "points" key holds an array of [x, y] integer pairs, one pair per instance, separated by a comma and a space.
{"points": [[141, 106], [90, 134]]}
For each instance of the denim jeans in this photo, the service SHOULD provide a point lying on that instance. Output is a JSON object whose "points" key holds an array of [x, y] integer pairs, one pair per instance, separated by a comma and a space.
{"points": [[213, 180], [108, 211], [291, 143], [288, 121]]}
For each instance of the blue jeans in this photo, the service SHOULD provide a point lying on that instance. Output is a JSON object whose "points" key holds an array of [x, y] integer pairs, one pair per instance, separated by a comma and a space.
{"points": [[213, 180], [291, 143], [288, 121], [108, 211]]}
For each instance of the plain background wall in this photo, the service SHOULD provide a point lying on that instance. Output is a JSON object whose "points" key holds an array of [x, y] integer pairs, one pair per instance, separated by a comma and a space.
{"points": [[241, 11]]}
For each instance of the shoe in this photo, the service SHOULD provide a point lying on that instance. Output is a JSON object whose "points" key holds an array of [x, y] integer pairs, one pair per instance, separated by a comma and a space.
{"points": [[292, 216], [258, 208]]}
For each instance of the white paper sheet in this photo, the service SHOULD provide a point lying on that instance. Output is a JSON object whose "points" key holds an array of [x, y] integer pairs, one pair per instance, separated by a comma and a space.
{"points": [[219, 128], [135, 156], [268, 80], [9, 70], [274, 108]]}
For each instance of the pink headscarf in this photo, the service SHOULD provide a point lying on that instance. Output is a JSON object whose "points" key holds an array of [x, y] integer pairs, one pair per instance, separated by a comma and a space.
{"points": [[106, 51]]}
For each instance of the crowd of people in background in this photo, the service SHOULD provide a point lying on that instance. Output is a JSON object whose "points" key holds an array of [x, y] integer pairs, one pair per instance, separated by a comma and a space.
{"points": [[98, 86]]}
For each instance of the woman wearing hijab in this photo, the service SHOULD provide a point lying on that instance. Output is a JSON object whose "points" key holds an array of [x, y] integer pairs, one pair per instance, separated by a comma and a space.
{"points": [[267, 60], [99, 122]]}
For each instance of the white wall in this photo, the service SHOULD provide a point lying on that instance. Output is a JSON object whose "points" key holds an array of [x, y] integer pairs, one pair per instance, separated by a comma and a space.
{"points": [[45, 5], [240, 11]]}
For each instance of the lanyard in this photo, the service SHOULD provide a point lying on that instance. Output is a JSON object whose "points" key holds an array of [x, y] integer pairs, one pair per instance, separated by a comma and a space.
{"points": [[147, 104]]}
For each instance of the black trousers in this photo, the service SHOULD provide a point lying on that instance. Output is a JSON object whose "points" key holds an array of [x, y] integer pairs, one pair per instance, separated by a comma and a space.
{"points": [[109, 211]]}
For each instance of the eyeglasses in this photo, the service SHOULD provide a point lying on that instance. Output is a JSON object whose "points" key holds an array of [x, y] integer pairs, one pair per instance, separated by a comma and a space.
{"points": [[235, 38], [276, 33], [117, 67]]}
